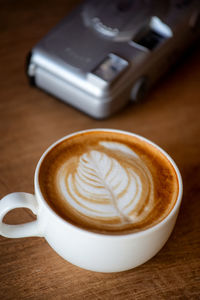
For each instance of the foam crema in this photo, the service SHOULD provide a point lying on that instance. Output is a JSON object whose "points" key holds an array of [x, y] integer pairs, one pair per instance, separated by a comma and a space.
{"points": [[108, 183]]}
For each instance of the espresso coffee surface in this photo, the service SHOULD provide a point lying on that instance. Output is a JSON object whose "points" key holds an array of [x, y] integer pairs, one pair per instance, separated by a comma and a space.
{"points": [[108, 182]]}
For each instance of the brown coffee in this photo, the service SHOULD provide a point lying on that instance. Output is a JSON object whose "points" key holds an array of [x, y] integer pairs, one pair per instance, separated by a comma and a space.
{"points": [[108, 182]]}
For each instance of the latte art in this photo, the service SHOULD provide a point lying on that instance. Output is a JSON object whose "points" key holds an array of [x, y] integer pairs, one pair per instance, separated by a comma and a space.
{"points": [[108, 182], [103, 187]]}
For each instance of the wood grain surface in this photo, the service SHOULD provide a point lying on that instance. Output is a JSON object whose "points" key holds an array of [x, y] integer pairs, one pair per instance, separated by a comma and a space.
{"points": [[31, 120]]}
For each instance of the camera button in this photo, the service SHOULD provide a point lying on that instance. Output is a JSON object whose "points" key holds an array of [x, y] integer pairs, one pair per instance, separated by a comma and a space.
{"points": [[139, 89]]}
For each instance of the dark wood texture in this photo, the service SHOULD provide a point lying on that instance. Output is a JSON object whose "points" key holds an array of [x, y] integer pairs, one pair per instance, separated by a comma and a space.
{"points": [[31, 120]]}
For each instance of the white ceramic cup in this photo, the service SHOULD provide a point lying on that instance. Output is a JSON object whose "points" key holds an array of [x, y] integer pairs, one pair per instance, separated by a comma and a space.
{"points": [[89, 250]]}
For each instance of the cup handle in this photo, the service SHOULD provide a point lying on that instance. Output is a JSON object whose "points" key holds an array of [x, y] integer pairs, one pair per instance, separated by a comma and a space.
{"points": [[16, 200]]}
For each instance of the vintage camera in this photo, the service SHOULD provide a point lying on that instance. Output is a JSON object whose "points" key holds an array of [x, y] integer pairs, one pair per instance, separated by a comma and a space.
{"points": [[106, 53]]}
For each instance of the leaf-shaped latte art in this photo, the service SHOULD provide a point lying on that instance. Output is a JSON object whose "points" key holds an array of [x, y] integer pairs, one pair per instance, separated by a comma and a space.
{"points": [[105, 186]]}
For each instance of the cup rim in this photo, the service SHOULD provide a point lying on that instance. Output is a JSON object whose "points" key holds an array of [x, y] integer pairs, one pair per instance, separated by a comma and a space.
{"points": [[113, 236]]}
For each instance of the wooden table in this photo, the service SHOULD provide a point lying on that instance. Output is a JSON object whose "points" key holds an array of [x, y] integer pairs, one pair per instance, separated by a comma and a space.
{"points": [[31, 120]]}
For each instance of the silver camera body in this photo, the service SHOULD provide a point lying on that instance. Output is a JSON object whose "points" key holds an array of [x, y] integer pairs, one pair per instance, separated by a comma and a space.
{"points": [[106, 53]]}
